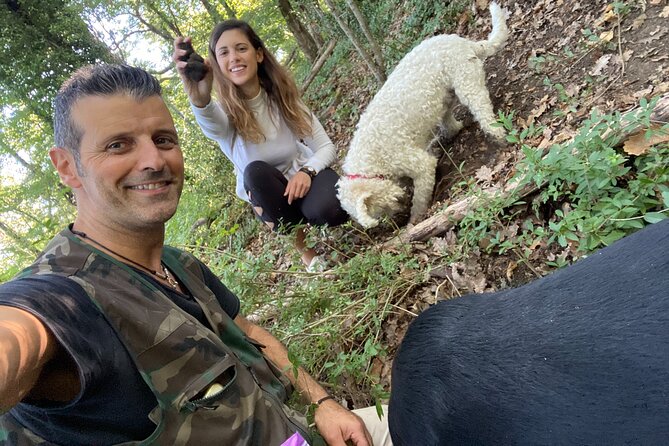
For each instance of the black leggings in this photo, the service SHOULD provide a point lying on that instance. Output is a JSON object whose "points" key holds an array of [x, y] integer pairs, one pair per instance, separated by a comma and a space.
{"points": [[265, 186]]}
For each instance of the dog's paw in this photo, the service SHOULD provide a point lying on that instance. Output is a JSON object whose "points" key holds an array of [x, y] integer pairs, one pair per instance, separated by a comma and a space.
{"points": [[415, 219], [498, 133]]}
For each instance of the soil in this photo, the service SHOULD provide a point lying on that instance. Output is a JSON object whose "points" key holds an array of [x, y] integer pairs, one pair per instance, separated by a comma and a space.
{"points": [[563, 59]]}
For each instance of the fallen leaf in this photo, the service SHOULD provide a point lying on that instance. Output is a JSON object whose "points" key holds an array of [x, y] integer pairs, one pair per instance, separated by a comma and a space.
{"points": [[609, 15], [572, 90], [482, 4], [665, 12], [440, 246], [638, 144], [662, 88], [510, 269], [601, 63], [643, 93], [606, 36], [636, 24], [484, 174], [655, 35]]}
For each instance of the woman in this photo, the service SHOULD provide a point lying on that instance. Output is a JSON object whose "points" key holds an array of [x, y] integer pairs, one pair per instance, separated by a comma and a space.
{"points": [[279, 150]]}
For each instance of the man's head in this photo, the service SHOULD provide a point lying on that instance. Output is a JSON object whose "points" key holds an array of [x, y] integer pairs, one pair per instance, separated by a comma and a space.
{"points": [[117, 148], [96, 80]]}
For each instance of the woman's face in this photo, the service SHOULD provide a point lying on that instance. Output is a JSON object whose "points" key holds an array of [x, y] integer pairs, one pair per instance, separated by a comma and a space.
{"points": [[238, 61]]}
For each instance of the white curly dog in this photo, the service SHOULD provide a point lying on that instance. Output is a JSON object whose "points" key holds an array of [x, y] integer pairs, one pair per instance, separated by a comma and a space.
{"points": [[393, 136]]}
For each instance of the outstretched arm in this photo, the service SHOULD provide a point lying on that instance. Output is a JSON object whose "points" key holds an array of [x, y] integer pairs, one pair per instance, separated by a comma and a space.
{"points": [[336, 424], [26, 345]]}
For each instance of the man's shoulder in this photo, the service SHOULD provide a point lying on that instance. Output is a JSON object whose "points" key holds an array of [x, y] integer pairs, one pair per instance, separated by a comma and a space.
{"points": [[39, 289]]}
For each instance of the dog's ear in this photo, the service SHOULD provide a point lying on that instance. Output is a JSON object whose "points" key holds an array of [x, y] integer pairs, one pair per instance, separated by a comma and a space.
{"points": [[362, 215]]}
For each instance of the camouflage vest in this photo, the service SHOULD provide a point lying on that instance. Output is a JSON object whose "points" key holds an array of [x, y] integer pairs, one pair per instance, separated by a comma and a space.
{"points": [[212, 387]]}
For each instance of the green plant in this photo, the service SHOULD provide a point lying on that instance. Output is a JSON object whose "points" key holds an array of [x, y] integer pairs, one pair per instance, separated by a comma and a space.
{"points": [[598, 193]]}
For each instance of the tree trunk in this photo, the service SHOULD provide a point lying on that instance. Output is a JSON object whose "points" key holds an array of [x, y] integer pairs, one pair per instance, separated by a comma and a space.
{"points": [[378, 72], [170, 23], [302, 35], [318, 65], [307, 11], [213, 12], [376, 49], [232, 14]]}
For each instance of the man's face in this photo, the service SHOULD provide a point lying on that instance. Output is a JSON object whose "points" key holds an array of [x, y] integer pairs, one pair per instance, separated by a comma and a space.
{"points": [[131, 164]]}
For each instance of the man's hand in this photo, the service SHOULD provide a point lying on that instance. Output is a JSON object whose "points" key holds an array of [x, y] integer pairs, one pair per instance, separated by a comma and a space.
{"points": [[298, 186], [338, 425]]}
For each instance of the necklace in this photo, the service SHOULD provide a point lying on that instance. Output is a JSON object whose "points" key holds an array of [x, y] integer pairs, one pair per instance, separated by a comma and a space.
{"points": [[166, 275]]}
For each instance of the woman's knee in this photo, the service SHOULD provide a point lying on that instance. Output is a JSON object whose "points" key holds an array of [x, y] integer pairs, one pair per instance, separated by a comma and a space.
{"points": [[321, 206], [256, 172], [325, 212]]}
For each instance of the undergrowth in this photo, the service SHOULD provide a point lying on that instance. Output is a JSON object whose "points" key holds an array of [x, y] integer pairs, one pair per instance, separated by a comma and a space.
{"points": [[590, 192]]}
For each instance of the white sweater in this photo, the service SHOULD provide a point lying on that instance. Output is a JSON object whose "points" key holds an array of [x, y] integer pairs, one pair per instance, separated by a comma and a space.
{"points": [[281, 148]]}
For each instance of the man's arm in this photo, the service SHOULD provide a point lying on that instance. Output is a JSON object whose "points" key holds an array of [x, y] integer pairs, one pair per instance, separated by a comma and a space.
{"points": [[336, 424], [26, 345]]}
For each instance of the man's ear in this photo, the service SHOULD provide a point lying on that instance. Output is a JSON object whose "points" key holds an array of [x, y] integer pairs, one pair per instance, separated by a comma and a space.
{"points": [[63, 161]]}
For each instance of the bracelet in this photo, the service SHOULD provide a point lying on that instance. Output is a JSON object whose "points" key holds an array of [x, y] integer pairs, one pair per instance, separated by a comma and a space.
{"points": [[324, 399]]}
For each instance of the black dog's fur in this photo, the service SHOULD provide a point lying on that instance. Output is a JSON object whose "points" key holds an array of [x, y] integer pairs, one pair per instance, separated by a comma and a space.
{"points": [[580, 357]]}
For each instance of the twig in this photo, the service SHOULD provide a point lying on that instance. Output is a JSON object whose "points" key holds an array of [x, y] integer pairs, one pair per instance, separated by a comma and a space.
{"points": [[639, 217], [404, 310], [620, 46]]}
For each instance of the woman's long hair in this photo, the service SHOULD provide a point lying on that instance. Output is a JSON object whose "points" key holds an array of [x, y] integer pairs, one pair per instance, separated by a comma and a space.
{"points": [[274, 79]]}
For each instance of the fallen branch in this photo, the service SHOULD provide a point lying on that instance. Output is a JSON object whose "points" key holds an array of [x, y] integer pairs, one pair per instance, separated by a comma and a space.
{"points": [[453, 214], [660, 114]]}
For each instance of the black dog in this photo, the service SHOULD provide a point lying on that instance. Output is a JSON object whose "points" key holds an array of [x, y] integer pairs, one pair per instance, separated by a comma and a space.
{"points": [[580, 357]]}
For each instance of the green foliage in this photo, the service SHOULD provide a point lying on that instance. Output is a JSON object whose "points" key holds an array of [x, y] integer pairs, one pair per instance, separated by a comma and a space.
{"points": [[43, 42], [598, 194]]}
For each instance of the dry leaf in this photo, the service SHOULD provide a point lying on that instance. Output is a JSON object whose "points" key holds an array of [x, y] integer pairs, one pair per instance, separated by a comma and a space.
{"points": [[484, 174], [482, 4], [544, 103], [662, 88], [655, 2], [636, 24], [655, 35], [665, 12], [606, 36], [638, 144], [643, 93], [601, 63], [510, 269], [609, 15]]}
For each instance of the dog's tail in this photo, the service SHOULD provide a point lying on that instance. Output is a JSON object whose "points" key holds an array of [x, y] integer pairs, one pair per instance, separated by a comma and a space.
{"points": [[497, 36]]}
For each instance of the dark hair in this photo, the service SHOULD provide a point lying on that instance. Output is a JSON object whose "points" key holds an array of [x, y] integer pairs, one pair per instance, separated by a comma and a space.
{"points": [[96, 80], [274, 79]]}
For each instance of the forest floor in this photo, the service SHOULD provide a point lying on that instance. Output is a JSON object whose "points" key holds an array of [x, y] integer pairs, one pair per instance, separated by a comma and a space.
{"points": [[563, 59]]}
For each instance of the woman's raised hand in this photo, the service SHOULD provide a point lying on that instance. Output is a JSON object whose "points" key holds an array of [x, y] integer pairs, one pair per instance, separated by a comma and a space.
{"points": [[199, 93]]}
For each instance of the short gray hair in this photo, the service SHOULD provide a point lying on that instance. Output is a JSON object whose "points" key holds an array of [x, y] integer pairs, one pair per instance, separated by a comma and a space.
{"points": [[96, 80]]}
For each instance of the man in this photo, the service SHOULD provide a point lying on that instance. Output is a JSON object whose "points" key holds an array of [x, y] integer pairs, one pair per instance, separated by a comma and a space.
{"points": [[111, 337]]}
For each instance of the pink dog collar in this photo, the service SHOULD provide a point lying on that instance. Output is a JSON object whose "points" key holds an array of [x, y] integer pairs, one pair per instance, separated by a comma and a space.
{"points": [[356, 176]]}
